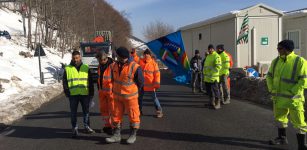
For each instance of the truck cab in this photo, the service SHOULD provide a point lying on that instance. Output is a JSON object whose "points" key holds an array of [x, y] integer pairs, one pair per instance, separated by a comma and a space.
{"points": [[88, 52]]}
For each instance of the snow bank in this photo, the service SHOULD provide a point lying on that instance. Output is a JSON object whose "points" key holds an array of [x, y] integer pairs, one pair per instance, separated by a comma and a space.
{"points": [[19, 76]]}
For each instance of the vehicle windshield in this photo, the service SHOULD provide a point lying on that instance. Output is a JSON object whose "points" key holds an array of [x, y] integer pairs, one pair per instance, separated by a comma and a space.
{"points": [[91, 51]]}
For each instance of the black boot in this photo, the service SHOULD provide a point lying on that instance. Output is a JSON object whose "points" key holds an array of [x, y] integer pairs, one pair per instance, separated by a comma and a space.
{"points": [[132, 137], [108, 130], [301, 141], [281, 139]]}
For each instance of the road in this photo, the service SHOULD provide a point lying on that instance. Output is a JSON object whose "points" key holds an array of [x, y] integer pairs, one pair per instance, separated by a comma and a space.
{"points": [[187, 125]]}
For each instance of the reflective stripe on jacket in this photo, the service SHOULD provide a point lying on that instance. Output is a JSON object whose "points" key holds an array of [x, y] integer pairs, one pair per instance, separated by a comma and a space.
{"points": [[286, 81], [77, 80], [225, 63], [123, 84], [212, 68], [151, 74], [106, 78]]}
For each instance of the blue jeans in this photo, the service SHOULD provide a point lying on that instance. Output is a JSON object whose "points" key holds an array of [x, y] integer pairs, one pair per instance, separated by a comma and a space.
{"points": [[153, 96], [74, 102]]}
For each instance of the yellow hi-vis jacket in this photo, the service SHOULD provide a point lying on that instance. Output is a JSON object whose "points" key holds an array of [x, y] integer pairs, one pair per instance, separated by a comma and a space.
{"points": [[212, 67], [77, 81], [225, 63], [286, 81]]}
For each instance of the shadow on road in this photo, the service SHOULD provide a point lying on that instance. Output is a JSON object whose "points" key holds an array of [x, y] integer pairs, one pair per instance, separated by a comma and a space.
{"points": [[189, 137], [55, 115], [55, 133]]}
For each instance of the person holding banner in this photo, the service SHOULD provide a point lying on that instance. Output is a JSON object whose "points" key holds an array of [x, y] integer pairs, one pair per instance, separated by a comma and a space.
{"points": [[152, 80], [211, 70]]}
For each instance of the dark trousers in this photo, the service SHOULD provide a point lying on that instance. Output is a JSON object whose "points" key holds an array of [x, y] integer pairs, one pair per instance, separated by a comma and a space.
{"points": [[213, 90], [197, 78], [74, 102], [225, 91]]}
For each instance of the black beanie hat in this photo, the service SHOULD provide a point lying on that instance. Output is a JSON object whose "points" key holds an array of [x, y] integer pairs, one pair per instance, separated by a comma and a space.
{"points": [[210, 46], [221, 46], [122, 52], [196, 51], [287, 44]]}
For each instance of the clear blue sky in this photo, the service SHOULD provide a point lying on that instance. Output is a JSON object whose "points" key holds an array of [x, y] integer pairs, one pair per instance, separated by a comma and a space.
{"points": [[179, 13]]}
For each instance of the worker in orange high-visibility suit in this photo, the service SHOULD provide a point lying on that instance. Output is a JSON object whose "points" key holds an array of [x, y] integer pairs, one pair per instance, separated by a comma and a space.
{"points": [[127, 79], [152, 81], [134, 55], [231, 65], [104, 84]]}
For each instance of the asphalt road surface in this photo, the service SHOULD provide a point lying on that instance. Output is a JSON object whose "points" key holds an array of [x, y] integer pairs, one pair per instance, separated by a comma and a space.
{"points": [[187, 125]]}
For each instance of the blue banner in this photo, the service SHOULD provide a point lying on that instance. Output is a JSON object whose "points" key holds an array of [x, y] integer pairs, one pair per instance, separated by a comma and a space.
{"points": [[170, 50]]}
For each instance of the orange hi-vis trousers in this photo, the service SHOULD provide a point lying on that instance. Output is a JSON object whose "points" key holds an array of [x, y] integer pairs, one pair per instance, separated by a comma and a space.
{"points": [[131, 106], [106, 105]]}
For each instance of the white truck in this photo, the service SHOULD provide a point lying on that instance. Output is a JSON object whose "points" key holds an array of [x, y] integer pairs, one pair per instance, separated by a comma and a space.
{"points": [[89, 50]]}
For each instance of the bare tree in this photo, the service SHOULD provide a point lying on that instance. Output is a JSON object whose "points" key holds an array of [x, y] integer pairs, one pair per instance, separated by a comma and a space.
{"points": [[156, 30]]}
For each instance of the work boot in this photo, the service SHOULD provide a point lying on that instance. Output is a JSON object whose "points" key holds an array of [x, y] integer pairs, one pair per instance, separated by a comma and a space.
{"points": [[217, 104], [301, 141], [193, 90], [132, 137], [159, 114], [107, 130], [227, 101], [116, 138], [75, 132], [212, 102], [281, 139], [88, 130]]}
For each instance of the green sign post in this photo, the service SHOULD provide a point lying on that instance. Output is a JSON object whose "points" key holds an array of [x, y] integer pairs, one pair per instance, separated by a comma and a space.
{"points": [[264, 41]]}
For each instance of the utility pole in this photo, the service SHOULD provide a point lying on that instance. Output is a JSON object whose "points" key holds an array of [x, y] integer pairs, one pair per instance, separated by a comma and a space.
{"points": [[94, 16]]}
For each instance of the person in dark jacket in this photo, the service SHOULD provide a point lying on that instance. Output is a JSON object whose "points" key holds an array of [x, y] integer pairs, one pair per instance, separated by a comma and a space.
{"points": [[196, 65], [78, 87]]}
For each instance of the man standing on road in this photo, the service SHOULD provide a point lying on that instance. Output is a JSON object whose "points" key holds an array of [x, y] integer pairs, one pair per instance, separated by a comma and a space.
{"points": [[196, 65], [286, 80], [104, 84], [151, 74], [211, 72], [127, 80], [78, 87], [224, 73]]}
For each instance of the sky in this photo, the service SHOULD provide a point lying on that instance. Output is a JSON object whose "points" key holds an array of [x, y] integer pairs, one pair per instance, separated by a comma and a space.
{"points": [[179, 13]]}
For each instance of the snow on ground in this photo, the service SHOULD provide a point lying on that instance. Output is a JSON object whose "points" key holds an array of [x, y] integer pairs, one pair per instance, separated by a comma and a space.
{"points": [[19, 76]]}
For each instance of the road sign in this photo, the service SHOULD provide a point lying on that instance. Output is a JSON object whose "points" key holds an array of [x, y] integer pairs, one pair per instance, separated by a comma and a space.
{"points": [[264, 41], [39, 50]]}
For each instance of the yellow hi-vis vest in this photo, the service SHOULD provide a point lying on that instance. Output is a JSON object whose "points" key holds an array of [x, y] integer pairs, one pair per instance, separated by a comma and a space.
{"points": [[225, 64], [77, 81], [286, 81], [212, 67]]}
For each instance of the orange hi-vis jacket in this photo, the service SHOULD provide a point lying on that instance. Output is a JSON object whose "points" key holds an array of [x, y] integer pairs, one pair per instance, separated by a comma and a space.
{"points": [[136, 58], [151, 74], [123, 85], [106, 86], [230, 59]]}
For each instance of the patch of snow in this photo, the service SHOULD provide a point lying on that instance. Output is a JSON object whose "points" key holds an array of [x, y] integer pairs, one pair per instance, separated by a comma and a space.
{"points": [[25, 95]]}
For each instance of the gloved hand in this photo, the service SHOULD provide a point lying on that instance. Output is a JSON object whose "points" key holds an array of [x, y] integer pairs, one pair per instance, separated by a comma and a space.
{"points": [[92, 103]]}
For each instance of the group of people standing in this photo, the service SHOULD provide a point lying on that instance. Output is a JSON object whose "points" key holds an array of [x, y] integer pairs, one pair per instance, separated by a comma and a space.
{"points": [[213, 70], [121, 85]]}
